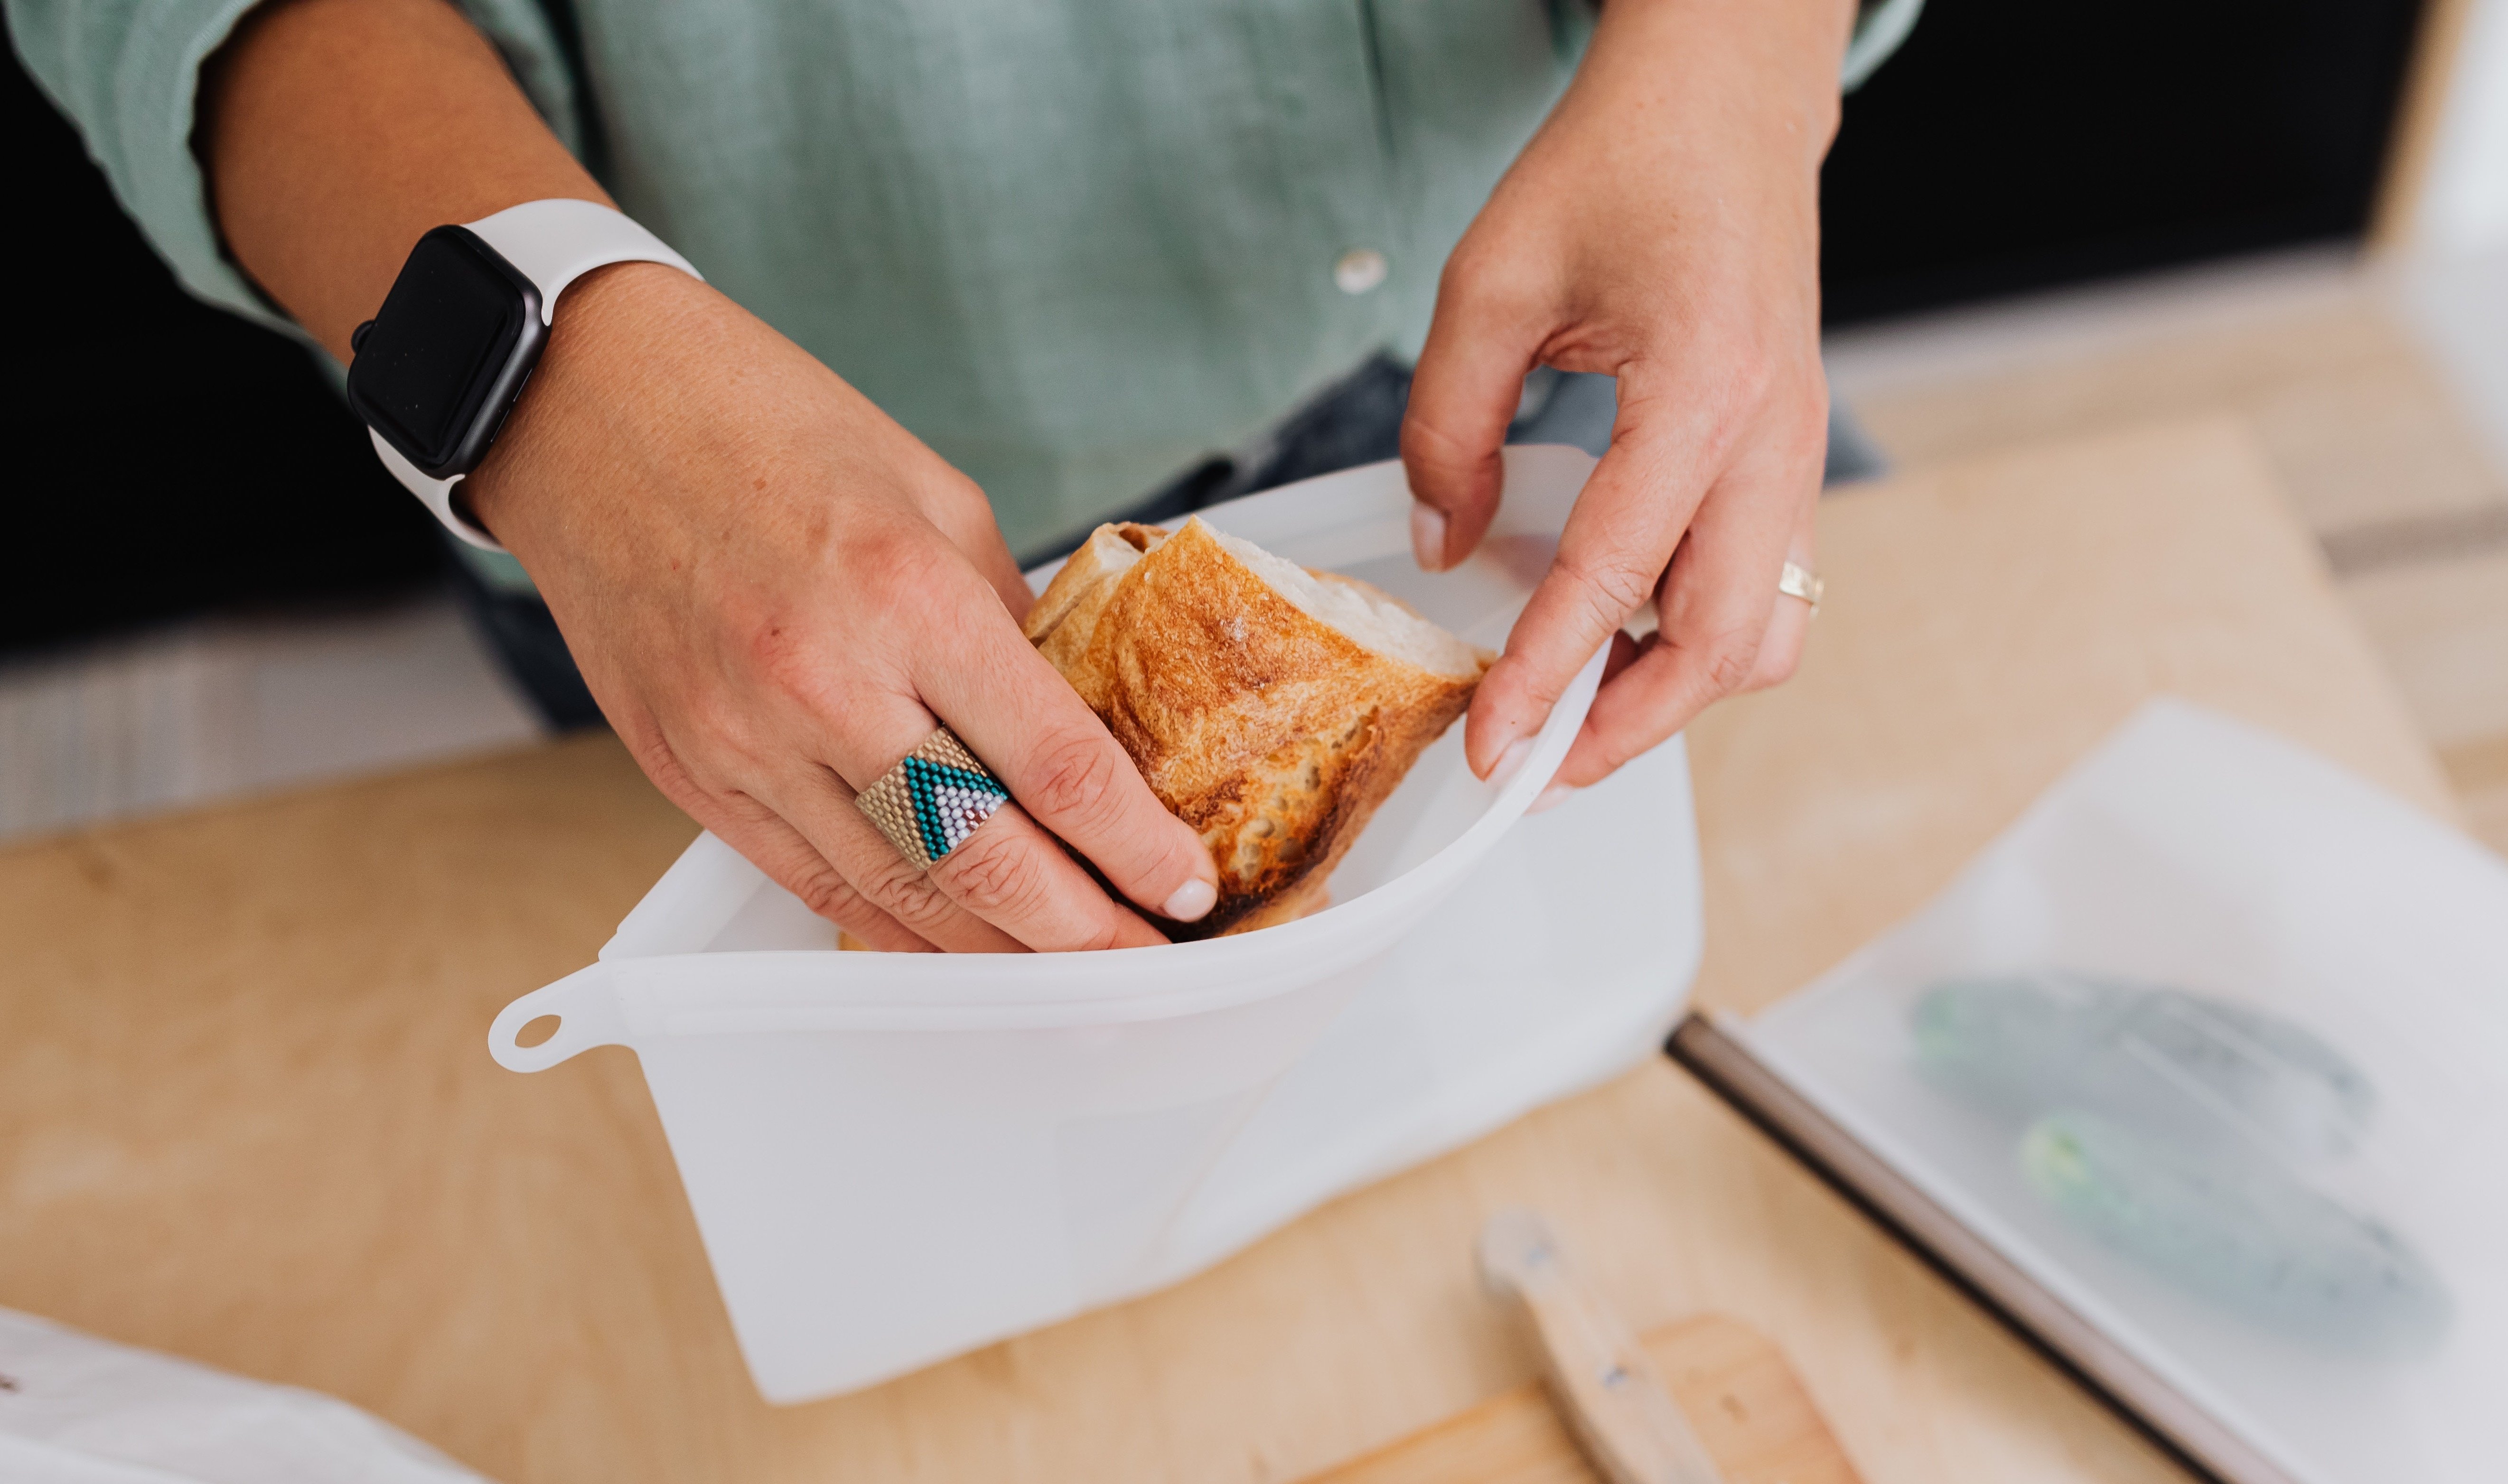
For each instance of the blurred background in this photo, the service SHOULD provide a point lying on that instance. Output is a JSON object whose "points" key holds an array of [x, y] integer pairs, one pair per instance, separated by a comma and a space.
{"points": [[2041, 222]]}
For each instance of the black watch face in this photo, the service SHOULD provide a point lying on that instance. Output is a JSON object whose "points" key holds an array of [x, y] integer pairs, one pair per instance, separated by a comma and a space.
{"points": [[443, 361]]}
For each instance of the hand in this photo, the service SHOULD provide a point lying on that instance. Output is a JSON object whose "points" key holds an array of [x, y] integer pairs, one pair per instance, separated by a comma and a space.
{"points": [[772, 589], [775, 593], [1662, 228]]}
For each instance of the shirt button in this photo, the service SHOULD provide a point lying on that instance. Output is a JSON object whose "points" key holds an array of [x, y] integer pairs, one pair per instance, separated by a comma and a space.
{"points": [[1358, 270]]}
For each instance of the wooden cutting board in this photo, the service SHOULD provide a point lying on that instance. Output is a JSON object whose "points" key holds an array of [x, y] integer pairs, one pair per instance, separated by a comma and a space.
{"points": [[1748, 1406]]}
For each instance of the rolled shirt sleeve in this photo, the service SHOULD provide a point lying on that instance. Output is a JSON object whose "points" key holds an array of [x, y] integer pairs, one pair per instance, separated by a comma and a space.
{"points": [[126, 72], [1880, 26]]}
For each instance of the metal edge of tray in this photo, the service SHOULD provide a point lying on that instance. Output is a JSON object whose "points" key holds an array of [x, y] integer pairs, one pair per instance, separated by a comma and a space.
{"points": [[2130, 1390]]}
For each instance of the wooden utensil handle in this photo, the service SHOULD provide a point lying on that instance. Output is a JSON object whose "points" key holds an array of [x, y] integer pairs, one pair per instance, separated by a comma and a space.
{"points": [[1616, 1405]]}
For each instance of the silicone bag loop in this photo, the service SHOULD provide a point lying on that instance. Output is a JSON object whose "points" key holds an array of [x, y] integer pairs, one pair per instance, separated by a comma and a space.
{"points": [[587, 1015]]}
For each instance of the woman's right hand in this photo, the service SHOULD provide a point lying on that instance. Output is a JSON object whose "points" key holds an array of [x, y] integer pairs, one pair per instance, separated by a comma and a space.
{"points": [[772, 589], [775, 593]]}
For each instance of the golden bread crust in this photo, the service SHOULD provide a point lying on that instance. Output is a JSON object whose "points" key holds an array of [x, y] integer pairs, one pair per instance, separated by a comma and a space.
{"points": [[1272, 733]]}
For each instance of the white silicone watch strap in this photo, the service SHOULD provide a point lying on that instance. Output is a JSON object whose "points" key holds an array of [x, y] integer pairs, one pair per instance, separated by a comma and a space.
{"points": [[554, 243]]}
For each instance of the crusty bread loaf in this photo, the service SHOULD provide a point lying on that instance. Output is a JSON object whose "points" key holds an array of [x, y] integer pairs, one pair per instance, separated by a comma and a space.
{"points": [[1271, 707]]}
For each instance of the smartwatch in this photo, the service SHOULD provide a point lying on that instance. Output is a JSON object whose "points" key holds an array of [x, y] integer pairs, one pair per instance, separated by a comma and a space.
{"points": [[437, 370]]}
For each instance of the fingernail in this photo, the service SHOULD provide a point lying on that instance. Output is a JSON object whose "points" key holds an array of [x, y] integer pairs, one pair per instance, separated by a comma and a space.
{"points": [[1511, 762], [1428, 535], [1191, 902], [1550, 797]]}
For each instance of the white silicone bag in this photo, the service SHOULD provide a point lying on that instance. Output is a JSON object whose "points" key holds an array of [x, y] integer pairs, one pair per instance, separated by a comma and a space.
{"points": [[895, 1158]]}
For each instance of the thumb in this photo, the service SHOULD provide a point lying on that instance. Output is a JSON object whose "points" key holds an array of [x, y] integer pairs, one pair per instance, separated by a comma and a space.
{"points": [[1463, 395]]}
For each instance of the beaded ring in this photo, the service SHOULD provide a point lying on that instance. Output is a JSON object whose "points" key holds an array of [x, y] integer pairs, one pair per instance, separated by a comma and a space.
{"points": [[933, 799]]}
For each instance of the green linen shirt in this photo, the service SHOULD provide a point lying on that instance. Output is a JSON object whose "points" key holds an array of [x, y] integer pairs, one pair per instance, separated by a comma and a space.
{"points": [[1073, 245]]}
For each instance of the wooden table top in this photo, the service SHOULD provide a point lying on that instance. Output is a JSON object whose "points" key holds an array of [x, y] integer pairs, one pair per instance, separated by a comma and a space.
{"points": [[247, 1114]]}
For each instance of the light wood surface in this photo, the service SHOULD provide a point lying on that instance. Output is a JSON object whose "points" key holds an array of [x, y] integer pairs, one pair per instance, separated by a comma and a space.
{"points": [[246, 1113], [1750, 1408], [2377, 442]]}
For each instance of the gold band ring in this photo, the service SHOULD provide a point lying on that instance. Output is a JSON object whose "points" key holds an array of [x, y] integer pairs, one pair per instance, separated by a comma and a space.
{"points": [[1799, 581]]}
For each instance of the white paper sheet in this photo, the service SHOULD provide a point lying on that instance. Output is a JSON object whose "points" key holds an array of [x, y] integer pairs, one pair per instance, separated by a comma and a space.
{"points": [[75, 1409], [2194, 853]]}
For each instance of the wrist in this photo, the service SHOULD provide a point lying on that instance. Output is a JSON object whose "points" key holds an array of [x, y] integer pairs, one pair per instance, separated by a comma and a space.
{"points": [[1767, 68], [609, 338]]}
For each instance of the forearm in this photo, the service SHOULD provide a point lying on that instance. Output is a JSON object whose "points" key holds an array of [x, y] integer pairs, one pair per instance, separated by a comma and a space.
{"points": [[336, 131]]}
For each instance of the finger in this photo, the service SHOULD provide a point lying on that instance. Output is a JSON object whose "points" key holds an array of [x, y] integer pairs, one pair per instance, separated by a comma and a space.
{"points": [[820, 805], [1625, 648], [1007, 704], [1463, 394], [1013, 873], [1715, 613], [773, 846], [815, 806], [1789, 625], [1009, 878], [1619, 541], [1781, 647], [1067, 771], [794, 864]]}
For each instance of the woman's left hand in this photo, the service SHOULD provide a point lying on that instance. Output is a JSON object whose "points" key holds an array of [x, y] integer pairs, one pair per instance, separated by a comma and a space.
{"points": [[1662, 228]]}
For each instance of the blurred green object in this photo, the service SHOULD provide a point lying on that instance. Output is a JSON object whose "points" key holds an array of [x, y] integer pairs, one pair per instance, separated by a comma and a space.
{"points": [[2240, 1231], [2180, 1065], [2168, 1125]]}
